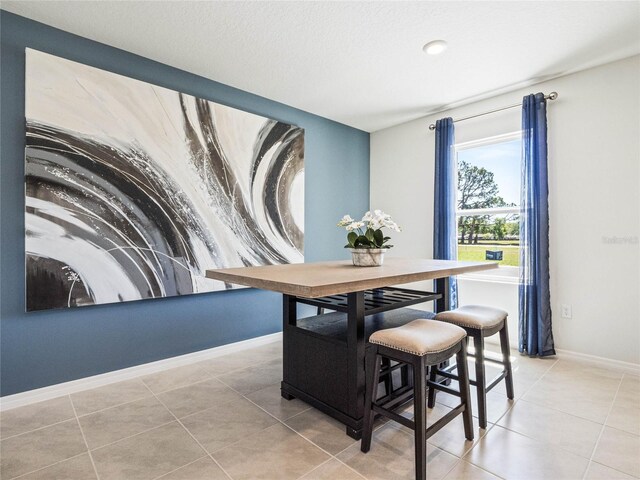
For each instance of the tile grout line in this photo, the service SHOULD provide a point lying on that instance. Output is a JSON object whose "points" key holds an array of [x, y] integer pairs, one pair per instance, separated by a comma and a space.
{"points": [[551, 407], [542, 442], [561, 411], [176, 469], [614, 469], [604, 425], [152, 395], [485, 470], [217, 378], [315, 468], [571, 414], [112, 406], [296, 432], [210, 376], [131, 436], [349, 466], [146, 385], [283, 422], [279, 421], [495, 424], [462, 460], [51, 425], [327, 461], [22, 475], [105, 408], [82, 416], [140, 378], [96, 448], [37, 429], [86, 444], [192, 436]]}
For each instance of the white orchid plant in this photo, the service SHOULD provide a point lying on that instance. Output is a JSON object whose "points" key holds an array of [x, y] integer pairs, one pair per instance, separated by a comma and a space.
{"points": [[367, 233]]}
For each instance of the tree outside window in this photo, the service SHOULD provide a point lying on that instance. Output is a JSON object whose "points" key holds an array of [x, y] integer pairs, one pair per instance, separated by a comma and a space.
{"points": [[488, 199]]}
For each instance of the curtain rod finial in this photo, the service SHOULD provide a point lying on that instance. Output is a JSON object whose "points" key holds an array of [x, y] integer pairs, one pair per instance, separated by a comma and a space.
{"points": [[553, 95], [432, 126]]}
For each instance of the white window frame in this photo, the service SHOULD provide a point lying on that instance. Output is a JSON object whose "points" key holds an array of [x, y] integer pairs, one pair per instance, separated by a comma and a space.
{"points": [[504, 273]]}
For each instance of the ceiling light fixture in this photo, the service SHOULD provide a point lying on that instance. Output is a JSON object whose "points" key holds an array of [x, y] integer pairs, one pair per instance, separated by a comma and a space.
{"points": [[435, 48]]}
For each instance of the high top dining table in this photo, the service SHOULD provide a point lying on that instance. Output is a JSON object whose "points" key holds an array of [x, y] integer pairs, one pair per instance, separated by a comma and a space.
{"points": [[324, 354]]}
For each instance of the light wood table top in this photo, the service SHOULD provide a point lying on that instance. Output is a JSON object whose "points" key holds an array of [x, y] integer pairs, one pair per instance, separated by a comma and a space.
{"points": [[320, 279]]}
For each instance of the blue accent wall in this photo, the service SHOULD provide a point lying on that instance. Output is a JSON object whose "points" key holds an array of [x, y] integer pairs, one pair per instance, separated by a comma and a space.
{"points": [[49, 347]]}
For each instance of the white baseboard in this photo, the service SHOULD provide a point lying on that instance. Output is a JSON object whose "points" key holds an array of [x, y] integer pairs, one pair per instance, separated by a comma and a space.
{"points": [[626, 367], [52, 391]]}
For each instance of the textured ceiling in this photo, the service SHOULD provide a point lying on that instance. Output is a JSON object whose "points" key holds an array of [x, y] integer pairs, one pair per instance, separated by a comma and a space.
{"points": [[359, 63]]}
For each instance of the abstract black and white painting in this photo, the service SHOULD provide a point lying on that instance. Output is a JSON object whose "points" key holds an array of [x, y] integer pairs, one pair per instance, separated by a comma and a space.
{"points": [[134, 190]]}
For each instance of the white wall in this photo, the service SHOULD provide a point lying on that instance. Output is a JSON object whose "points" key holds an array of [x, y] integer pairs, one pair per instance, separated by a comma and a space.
{"points": [[594, 183]]}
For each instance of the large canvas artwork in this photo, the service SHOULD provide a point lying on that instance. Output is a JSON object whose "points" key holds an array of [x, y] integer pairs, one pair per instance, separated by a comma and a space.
{"points": [[133, 190]]}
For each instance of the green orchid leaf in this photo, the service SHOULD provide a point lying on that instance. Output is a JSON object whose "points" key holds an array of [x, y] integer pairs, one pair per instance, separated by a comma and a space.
{"points": [[378, 238], [362, 241], [369, 234], [351, 238]]}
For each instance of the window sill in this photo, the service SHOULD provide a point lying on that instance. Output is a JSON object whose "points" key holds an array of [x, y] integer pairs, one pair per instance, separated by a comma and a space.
{"points": [[502, 274]]}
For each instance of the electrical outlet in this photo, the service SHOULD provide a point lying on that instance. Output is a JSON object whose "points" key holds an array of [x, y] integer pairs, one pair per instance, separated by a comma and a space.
{"points": [[566, 311]]}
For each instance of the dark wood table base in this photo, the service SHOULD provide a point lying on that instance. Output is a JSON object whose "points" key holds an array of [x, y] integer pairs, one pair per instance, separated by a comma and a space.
{"points": [[324, 355]]}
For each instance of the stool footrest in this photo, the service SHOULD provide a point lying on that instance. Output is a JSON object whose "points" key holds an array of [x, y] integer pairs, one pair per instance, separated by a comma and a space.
{"points": [[397, 397], [441, 387], [388, 370], [447, 373], [433, 429], [487, 359], [496, 380], [394, 416]]}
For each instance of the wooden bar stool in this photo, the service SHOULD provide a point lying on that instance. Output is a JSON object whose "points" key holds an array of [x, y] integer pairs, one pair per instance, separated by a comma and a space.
{"points": [[479, 322], [421, 344]]}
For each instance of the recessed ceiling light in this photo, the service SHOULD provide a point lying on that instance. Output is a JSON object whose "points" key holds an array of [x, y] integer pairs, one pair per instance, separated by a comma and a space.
{"points": [[435, 48]]}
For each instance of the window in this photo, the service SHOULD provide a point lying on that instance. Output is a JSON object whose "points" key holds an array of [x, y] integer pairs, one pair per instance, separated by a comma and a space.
{"points": [[488, 199]]}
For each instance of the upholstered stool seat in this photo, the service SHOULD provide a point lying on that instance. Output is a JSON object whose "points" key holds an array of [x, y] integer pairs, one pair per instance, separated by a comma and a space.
{"points": [[421, 343], [479, 322], [420, 337], [474, 316]]}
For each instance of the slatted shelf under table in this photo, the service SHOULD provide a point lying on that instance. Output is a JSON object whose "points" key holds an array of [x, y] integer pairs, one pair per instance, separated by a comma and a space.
{"points": [[375, 301], [332, 326]]}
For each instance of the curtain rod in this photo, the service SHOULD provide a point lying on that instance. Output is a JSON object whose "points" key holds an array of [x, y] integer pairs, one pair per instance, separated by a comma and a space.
{"points": [[551, 96]]}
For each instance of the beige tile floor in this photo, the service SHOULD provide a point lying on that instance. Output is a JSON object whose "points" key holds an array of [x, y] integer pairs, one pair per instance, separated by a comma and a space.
{"points": [[224, 419]]}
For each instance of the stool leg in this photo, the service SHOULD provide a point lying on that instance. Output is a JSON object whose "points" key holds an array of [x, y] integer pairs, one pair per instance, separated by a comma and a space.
{"points": [[463, 384], [388, 381], [420, 417], [372, 372], [506, 359], [404, 376], [481, 382], [433, 376]]}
